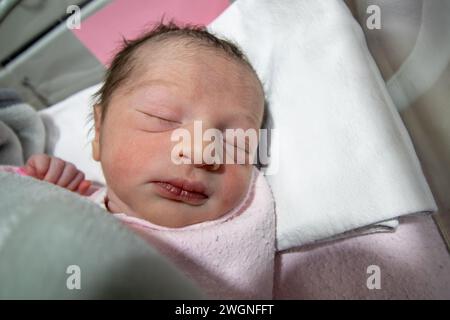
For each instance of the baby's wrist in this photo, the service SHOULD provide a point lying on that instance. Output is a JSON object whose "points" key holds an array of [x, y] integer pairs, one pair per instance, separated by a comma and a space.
{"points": [[21, 171]]}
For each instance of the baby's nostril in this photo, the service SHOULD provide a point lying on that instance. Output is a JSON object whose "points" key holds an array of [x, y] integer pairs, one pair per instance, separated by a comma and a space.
{"points": [[210, 167]]}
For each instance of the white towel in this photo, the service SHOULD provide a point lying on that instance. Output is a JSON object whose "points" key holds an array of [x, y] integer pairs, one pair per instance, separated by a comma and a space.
{"points": [[346, 160]]}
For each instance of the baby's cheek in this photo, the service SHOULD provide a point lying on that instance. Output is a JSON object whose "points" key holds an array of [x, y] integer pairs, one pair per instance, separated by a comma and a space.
{"points": [[235, 186], [134, 155], [117, 161]]}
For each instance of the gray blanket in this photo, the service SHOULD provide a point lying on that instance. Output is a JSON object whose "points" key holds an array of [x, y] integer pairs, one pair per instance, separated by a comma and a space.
{"points": [[22, 132], [55, 244]]}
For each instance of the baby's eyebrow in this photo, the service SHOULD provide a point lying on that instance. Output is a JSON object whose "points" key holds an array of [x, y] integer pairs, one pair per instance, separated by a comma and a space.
{"points": [[253, 119], [152, 83]]}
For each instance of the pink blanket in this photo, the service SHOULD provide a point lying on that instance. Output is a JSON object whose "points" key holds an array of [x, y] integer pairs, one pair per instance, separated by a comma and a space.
{"points": [[229, 258], [414, 264]]}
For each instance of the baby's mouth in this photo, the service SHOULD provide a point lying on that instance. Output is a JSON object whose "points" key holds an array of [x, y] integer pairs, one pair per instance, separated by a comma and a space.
{"points": [[192, 193]]}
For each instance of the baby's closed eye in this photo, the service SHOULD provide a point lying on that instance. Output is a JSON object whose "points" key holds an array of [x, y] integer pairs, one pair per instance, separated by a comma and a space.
{"points": [[240, 146], [156, 123]]}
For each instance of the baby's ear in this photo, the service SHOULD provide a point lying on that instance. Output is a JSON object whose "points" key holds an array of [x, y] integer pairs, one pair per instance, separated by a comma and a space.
{"points": [[97, 125]]}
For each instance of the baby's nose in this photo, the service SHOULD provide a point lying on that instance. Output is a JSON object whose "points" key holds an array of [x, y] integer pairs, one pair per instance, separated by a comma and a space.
{"points": [[195, 155], [207, 154], [209, 167], [204, 148]]}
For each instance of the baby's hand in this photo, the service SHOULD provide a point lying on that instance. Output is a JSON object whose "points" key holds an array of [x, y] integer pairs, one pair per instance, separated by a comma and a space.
{"points": [[57, 171]]}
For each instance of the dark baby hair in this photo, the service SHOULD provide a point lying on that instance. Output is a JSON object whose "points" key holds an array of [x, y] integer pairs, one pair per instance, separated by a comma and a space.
{"points": [[125, 59]]}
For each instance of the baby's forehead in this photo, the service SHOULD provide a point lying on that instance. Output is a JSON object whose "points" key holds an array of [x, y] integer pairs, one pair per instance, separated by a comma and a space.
{"points": [[183, 47], [176, 55], [186, 63]]}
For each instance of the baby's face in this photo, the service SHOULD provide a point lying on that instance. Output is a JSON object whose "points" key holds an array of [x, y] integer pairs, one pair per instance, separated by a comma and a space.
{"points": [[171, 90]]}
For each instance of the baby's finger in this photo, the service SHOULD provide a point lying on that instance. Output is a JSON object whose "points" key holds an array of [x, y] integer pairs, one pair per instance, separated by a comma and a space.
{"points": [[84, 186], [69, 172], [73, 185], [37, 165], [30, 171], [55, 170]]}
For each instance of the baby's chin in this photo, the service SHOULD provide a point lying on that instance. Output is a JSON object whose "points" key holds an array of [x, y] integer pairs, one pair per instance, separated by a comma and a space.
{"points": [[175, 214]]}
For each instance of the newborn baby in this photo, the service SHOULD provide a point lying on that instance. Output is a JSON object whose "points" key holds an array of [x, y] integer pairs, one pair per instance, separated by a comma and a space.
{"points": [[162, 81], [169, 79]]}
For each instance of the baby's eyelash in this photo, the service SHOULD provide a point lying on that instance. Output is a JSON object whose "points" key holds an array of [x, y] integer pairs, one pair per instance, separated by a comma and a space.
{"points": [[154, 123], [245, 148], [162, 120], [157, 117]]}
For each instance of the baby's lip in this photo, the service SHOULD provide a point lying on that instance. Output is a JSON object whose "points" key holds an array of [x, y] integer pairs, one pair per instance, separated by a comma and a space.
{"points": [[191, 186], [191, 192]]}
